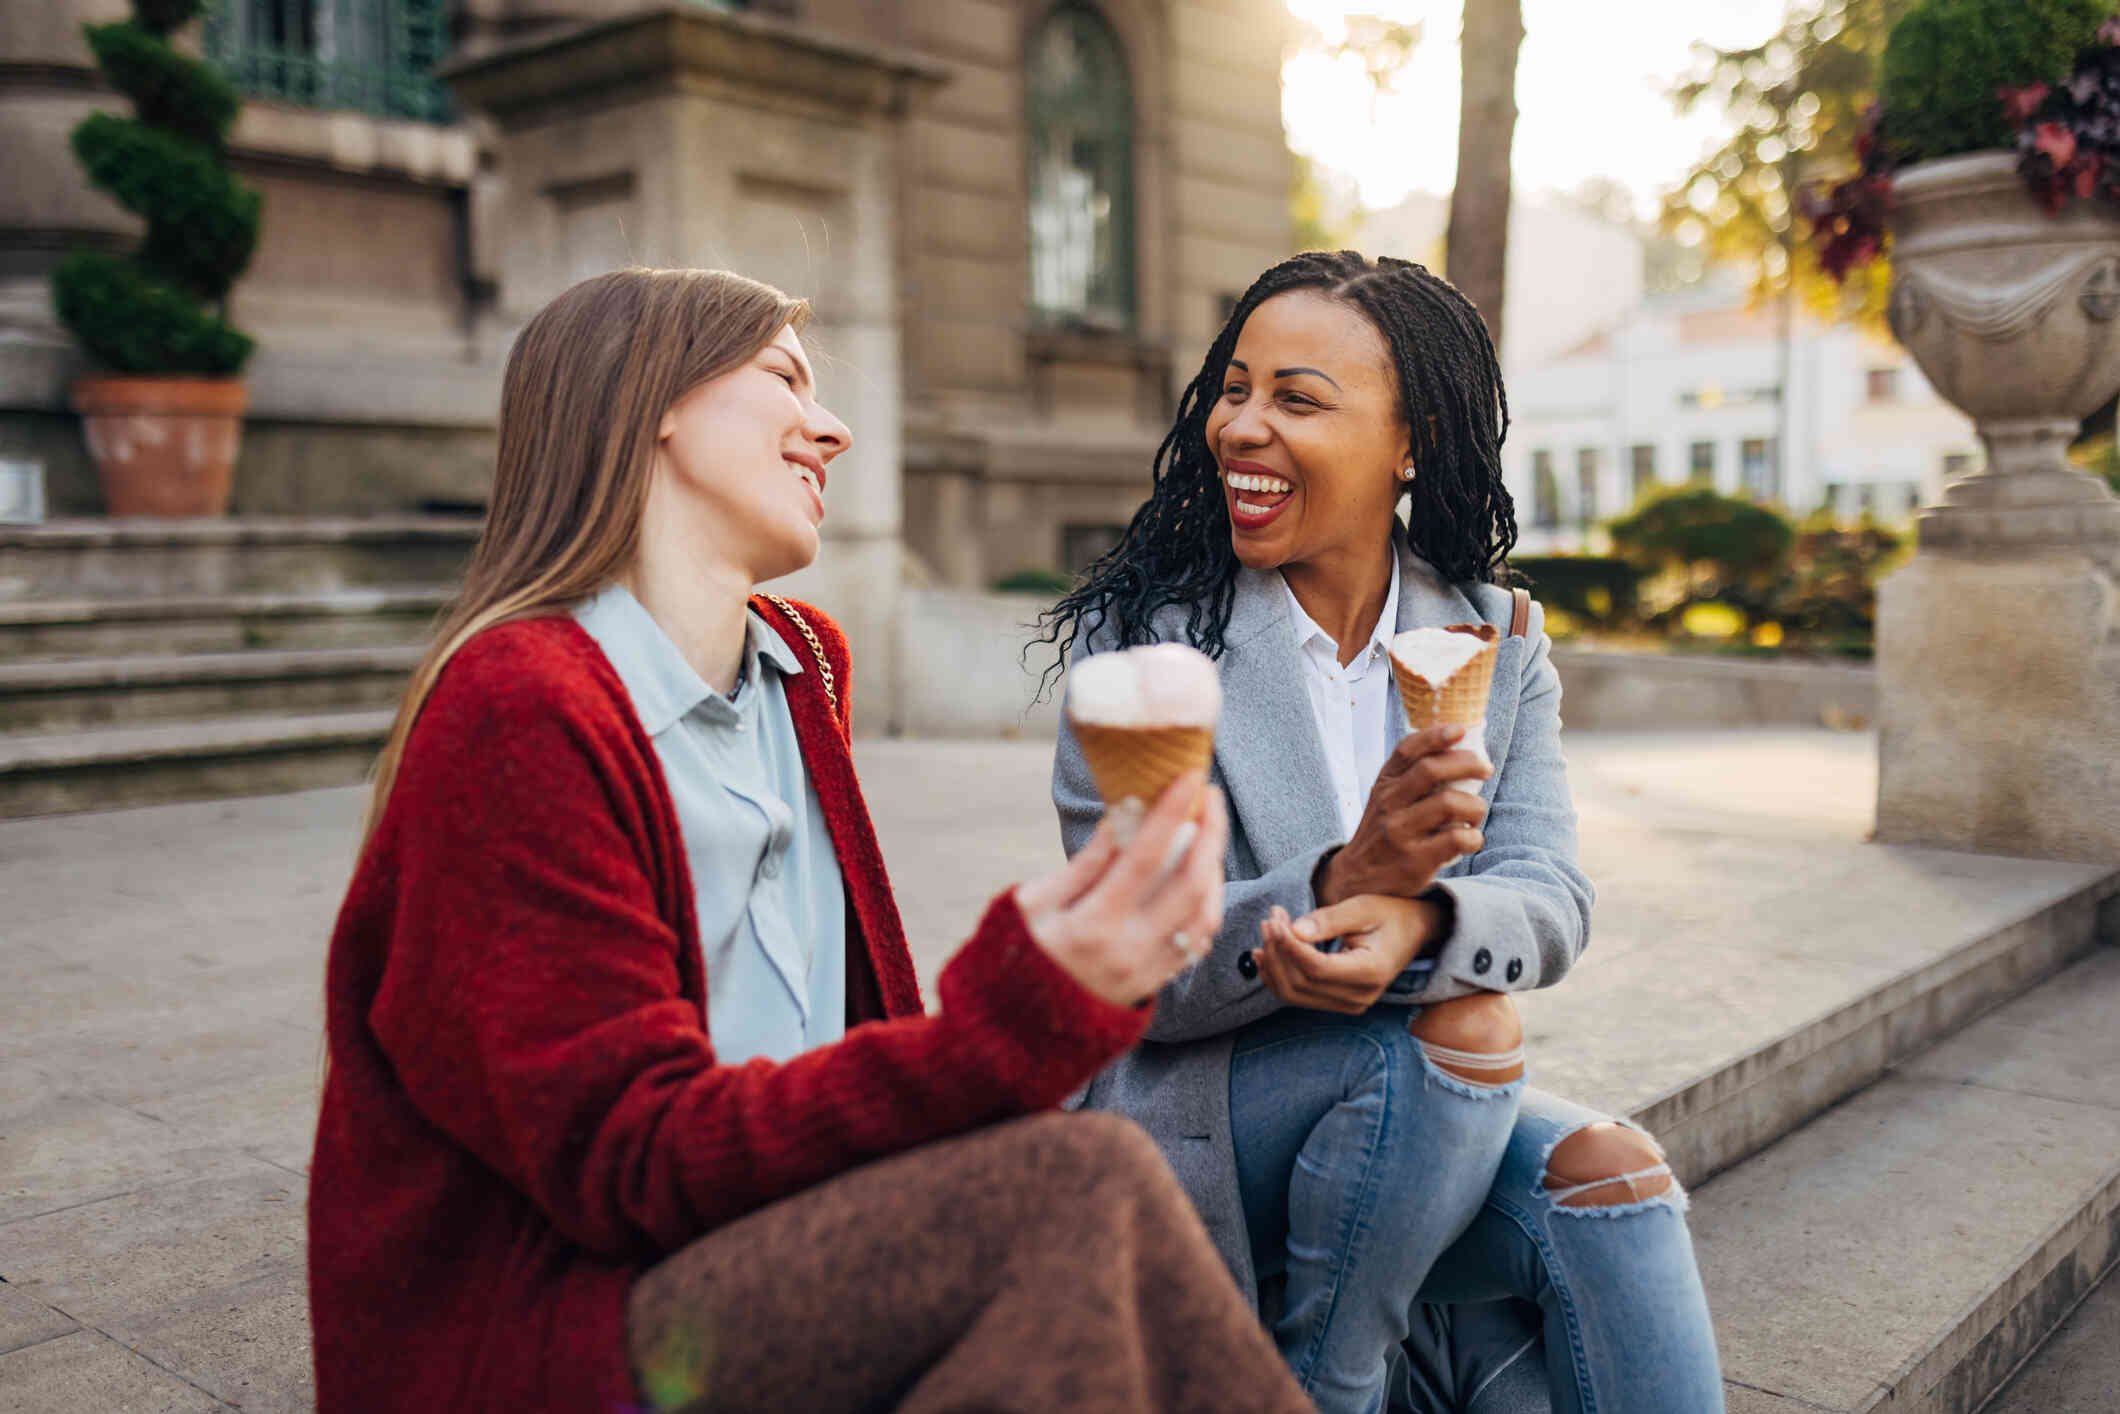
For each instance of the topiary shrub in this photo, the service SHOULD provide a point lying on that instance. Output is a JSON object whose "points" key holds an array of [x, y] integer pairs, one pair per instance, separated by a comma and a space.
{"points": [[1947, 60], [160, 309], [1720, 549]]}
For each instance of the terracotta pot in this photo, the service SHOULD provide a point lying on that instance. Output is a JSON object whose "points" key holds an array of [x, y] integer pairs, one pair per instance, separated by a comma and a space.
{"points": [[2014, 316], [164, 446]]}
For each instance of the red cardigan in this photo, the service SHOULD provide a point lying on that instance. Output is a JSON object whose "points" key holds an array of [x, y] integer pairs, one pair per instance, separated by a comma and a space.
{"points": [[524, 1109]]}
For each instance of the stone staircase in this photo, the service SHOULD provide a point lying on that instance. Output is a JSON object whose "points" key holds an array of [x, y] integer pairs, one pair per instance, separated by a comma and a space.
{"points": [[150, 661], [1896, 1203]]}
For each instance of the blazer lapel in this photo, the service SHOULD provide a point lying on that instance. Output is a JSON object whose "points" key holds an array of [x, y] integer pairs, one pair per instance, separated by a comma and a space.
{"points": [[1286, 807]]}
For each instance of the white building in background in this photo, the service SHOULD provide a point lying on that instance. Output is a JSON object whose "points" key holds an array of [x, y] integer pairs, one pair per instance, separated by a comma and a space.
{"points": [[1612, 390], [1700, 385]]}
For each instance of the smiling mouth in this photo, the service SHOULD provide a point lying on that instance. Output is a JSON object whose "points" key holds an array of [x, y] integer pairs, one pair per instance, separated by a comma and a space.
{"points": [[1256, 500]]}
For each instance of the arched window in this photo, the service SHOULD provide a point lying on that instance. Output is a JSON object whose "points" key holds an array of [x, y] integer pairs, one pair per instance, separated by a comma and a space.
{"points": [[1080, 124]]}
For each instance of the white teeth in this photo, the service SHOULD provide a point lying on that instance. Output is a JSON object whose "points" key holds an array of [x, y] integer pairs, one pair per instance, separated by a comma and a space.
{"points": [[810, 478], [1265, 485]]}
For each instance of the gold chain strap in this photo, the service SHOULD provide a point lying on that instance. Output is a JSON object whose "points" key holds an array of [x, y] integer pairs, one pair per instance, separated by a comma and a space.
{"points": [[824, 666]]}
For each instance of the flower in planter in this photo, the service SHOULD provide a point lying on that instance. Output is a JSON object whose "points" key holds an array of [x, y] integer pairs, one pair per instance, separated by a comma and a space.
{"points": [[2066, 131], [2068, 139]]}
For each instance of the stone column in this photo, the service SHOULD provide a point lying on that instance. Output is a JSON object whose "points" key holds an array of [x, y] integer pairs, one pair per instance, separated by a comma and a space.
{"points": [[680, 135], [1999, 644]]}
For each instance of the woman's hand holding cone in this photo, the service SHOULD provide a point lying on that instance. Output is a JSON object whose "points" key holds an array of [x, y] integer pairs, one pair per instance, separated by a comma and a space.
{"points": [[1414, 824], [1119, 921]]}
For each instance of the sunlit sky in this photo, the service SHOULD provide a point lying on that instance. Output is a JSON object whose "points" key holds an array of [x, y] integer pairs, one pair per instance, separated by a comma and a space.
{"points": [[1590, 86]]}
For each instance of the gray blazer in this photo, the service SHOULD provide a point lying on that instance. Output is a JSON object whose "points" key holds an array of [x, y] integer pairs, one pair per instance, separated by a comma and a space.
{"points": [[1523, 907]]}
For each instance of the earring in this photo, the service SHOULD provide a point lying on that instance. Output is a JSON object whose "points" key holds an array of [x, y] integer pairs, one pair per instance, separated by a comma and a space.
{"points": [[1406, 472]]}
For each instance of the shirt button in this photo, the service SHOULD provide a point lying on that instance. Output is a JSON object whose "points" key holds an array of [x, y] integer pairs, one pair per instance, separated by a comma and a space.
{"points": [[1247, 966], [771, 868], [1481, 961], [1515, 969]]}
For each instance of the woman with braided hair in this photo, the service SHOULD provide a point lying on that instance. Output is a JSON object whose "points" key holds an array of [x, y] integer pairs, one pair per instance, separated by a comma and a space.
{"points": [[1338, 1083]]}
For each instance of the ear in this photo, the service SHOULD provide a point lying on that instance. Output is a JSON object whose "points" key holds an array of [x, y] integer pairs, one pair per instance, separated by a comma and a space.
{"points": [[667, 428]]}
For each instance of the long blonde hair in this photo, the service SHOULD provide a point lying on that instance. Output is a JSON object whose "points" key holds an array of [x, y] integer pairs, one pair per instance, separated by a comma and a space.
{"points": [[587, 384]]}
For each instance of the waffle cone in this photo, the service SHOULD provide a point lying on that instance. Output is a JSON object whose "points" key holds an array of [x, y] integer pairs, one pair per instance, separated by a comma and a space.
{"points": [[1141, 762], [1459, 702]]}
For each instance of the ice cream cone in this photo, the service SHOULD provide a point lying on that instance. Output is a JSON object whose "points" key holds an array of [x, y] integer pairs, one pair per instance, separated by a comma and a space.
{"points": [[1460, 700], [1139, 763]]}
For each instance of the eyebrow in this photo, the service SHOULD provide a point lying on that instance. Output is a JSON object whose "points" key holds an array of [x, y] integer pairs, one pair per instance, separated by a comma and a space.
{"points": [[1290, 372]]}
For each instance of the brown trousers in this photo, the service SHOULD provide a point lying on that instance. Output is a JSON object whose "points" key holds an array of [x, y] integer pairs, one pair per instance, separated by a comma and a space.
{"points": [[1048, 1264]]}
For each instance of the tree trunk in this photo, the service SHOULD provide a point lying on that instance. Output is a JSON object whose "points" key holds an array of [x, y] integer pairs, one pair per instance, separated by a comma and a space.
{"points": [[1476, 250]]}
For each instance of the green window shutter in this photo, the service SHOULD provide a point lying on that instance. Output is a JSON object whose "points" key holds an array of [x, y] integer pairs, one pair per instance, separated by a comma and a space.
{"points": [[1079, 122], [372, 56]]}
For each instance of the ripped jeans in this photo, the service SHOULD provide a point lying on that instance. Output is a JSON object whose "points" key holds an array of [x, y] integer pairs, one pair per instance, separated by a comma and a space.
{"points": [[1361, 1161], [1566, 1294]]}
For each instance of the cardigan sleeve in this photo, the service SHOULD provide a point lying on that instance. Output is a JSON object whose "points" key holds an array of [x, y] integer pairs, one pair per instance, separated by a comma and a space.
{"points": [[530, 1002]]}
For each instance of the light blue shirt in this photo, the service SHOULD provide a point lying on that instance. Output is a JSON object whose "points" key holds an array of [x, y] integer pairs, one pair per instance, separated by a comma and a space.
{"points": [[765, 879]]}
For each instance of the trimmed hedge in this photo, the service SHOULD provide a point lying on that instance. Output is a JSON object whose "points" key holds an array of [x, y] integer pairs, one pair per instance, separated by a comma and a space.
{"points": [[1599, 589], [1946, 59], [170, 91], [159, 310], [142, 325]]}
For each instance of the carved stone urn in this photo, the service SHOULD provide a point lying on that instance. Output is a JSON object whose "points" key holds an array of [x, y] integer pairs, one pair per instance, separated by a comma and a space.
{"points": [[1998, 644], [2014, 316]]}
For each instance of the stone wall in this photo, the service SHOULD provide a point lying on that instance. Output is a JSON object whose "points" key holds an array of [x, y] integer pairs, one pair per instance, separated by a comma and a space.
{"points": [[1677, 692]]}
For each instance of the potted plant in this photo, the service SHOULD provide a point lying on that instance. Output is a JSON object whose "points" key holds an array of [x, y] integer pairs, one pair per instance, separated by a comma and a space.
{"points": [[163, 415], [1991, 167]]}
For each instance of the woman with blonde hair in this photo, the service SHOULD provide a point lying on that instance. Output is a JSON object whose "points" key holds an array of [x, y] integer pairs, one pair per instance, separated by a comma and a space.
{"points": [[632, 1099]]}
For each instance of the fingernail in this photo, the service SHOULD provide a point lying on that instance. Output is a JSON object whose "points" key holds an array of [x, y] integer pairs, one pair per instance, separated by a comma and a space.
{"points": [[1307, 930]]}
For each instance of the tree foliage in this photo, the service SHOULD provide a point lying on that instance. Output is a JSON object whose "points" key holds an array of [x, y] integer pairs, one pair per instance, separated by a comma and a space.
{"points": [[1796, 102], [1827, 598]]}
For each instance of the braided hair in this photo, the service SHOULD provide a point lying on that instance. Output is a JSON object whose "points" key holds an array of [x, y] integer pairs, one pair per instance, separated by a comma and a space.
{"points": [[1461, 520]]}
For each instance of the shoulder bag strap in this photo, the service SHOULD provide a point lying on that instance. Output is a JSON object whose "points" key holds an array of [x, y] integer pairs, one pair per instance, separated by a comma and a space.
{"points": [[1520, 618], [824, 667]]}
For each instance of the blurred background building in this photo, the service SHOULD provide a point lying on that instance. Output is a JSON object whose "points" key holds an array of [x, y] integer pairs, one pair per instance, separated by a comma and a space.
{"points": [[1624, 375], [1020, 221]]}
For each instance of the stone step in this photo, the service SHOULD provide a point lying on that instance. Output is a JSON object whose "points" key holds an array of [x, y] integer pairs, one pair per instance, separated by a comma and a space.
{"points": [[217, 623], [60, 772], [134, 690], [146, 558], [1907, 1250], [2077, 1371], [1740, 1103]]}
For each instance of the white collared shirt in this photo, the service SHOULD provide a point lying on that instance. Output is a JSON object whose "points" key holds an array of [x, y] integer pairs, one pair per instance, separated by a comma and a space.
{"points": [[1351, 705]]}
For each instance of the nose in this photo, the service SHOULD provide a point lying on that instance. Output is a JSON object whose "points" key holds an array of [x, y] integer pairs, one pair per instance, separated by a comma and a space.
{"points": [[827, 432], [1247, 427]]}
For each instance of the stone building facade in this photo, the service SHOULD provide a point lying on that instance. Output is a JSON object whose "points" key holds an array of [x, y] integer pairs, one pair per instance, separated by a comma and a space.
{"points": [[1019, 220]]}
